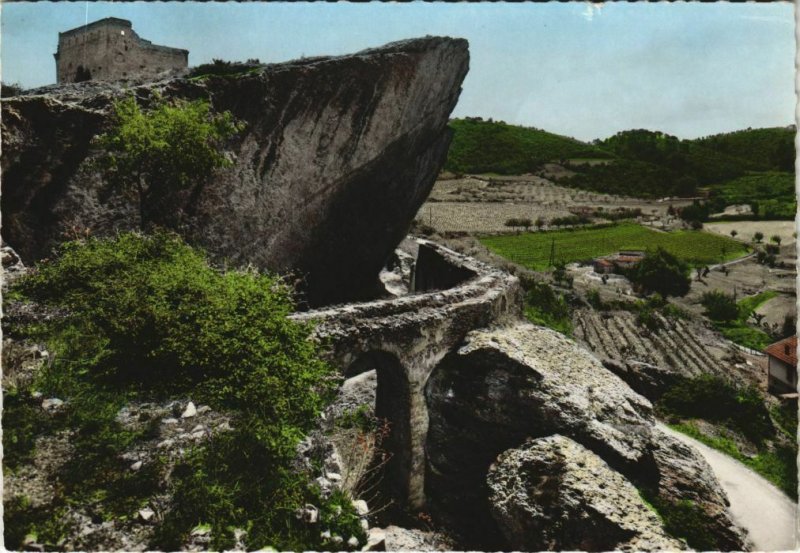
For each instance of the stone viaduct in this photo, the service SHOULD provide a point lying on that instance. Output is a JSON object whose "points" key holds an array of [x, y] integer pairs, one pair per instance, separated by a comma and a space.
{"points": [[405, 338]]}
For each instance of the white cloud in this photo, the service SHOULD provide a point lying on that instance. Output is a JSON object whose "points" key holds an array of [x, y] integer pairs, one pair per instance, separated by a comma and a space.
{"points": [[591, 10]]}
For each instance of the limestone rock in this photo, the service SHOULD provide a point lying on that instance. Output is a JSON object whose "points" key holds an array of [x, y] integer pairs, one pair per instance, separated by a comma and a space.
{"points": [[507, 384], [683, 475], [334, 149], [411, 539], [190, 411], [553, 494], [645, 378]]}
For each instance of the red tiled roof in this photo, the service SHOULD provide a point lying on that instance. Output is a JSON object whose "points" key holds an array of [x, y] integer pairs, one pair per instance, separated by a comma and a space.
{"points": [[785, 350]]}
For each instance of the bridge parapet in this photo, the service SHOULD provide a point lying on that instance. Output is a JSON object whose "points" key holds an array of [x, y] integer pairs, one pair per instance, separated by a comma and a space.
{"points": [[418, 330]]}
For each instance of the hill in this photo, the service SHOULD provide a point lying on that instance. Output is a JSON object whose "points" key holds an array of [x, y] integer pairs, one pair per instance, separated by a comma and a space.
{"points": [[655, 164], [770, 149], [771, 194], [481, 146]]}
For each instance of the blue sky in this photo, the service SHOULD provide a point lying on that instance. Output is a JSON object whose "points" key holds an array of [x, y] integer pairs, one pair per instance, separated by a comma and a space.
{"points": [[689, 69]]}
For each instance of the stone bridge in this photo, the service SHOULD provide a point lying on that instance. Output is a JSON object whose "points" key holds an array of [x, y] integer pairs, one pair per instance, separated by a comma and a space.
{"points": [[405, 338]]}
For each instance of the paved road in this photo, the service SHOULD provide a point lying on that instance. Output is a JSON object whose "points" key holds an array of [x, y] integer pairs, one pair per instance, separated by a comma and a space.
{"points": [[767, 513]]}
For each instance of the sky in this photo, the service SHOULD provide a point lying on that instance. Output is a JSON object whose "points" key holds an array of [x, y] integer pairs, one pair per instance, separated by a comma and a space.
{"points": [[588, 71]]}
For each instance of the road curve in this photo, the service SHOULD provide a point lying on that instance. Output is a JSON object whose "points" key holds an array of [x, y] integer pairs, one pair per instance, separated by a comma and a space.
{"points": [[758, 506]]}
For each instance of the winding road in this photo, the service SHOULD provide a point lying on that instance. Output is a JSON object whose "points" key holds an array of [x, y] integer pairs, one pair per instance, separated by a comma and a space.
{"points": [[767, 513]]}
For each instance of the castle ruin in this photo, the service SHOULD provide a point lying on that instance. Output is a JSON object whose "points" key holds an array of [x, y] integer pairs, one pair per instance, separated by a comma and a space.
{"points": [[109, 49]]}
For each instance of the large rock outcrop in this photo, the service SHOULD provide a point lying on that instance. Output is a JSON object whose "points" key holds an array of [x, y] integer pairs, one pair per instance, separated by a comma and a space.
{"points": [[335, 150], [552, 494], [505, 385]]}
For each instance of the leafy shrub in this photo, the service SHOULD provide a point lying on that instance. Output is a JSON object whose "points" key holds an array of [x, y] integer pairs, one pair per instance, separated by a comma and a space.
{"points": [[147, 316], [720, 306], [220, 67], [662, 273], [163, 150], [8, 90], [546, 307], [713, 399], [519, 222], [647, 318]]}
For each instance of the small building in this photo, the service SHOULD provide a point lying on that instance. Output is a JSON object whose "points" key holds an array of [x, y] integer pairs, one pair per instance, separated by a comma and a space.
{"points": [[602, 266], [782, 366], [624, 259], [109, 49]]}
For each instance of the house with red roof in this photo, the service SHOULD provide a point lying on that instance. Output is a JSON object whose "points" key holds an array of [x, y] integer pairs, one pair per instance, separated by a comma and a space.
{"points": [[782, 366]]}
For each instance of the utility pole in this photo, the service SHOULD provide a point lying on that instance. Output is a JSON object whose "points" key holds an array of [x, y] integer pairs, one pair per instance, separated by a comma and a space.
{"points": [[553, 253]]}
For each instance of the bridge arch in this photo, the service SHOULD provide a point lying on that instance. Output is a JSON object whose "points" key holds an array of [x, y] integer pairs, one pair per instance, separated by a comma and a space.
{"points": [[392, 404]]}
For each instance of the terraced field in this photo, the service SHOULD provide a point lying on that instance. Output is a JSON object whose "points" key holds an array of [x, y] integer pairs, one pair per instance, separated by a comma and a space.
{"points": [[683, 346], [533, 249]]}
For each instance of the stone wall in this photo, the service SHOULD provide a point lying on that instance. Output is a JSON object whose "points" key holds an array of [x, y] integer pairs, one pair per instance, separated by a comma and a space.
{"points": [[405, 338], [109, 49]]}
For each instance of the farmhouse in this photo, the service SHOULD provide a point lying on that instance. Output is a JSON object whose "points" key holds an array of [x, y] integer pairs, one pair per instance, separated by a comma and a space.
{"points": [[624, 259], [782, 366], [109, 49]]}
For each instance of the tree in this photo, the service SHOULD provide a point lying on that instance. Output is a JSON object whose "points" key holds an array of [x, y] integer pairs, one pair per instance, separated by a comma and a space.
{"points": [[518, 222], [720, 306], [166, 149], [662, 272], [539, 223], [758, 236], [734, 232], [776, 239], [789, 326]]}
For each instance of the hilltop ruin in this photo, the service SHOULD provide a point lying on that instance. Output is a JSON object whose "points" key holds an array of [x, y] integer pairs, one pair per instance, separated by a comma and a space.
{"points": [[108, 50]]}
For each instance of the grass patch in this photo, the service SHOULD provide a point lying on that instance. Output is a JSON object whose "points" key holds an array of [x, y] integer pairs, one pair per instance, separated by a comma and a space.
{"points": [[738, 331], [778, 466], [532, 250]]}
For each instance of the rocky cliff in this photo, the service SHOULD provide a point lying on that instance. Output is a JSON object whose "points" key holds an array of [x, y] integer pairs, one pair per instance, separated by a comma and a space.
{"points": [[335, 150]]}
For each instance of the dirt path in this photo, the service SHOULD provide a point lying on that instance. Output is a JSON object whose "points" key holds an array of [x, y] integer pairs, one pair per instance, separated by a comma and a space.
{"points": [[767, 513]]}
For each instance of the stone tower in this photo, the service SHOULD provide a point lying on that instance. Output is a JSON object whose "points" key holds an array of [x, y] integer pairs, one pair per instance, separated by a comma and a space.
{"points": [[109, 49]]}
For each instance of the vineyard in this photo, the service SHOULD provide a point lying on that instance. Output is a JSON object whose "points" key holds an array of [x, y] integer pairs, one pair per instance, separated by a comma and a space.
{"points": [[680, 345], [533, 250]]}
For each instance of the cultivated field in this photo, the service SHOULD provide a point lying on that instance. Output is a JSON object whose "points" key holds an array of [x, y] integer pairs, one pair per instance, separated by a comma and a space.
{"points": [[687, 347], [533, 249], [746, 229], [482, 204]]}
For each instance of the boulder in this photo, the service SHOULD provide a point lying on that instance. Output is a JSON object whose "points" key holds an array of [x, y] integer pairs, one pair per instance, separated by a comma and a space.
{"points": [[682, 476], [335, 149], [553, 494], [507, 384], [652, 381]]}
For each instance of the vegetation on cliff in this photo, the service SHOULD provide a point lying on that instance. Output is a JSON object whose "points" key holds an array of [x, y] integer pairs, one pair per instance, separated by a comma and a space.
{"points": [[158, 152], [146, 319]]}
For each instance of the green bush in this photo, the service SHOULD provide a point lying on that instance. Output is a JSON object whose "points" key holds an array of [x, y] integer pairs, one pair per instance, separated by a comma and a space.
{"points": [[544, 306], [147, 317], [224, 68], [712, 398], [720, 306], [661, 272], [163, 150]]}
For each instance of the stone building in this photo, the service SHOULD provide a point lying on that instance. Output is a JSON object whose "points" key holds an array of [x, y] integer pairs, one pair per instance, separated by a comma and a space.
{"points": [[109, 49]]}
